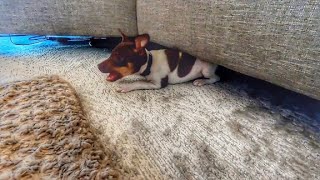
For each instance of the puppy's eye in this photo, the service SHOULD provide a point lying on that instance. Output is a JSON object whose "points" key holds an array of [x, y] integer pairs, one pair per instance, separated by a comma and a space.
{"points": [[121, 62]]}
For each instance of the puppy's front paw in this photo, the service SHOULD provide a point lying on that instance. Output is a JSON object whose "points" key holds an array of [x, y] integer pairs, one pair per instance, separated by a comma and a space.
{"points": [[124, 89], [199, 82]]}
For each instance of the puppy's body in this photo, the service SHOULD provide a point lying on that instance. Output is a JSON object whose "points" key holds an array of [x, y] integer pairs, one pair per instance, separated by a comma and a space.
{"points": [[176, 66], [159, 67]]}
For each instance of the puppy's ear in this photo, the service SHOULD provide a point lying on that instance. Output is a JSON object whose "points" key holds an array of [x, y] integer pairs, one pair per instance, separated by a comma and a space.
{"points": [[124, 37], [141, 41]]}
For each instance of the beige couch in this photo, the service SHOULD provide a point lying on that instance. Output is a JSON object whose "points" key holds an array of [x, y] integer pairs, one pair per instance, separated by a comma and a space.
{"points": [[68, 17], [275, 41]]}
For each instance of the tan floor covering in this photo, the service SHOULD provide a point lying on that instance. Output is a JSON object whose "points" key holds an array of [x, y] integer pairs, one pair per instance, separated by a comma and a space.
{"points": [[45, 135], [180, 132]]}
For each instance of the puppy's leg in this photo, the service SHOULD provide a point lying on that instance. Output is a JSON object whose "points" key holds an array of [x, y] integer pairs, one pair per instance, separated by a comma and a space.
{"points": [[139, 85], [208, 72]]}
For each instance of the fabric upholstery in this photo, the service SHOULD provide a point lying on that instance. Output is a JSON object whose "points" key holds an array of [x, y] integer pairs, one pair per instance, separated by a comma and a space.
{"points": [[72, 17], [277, 41]]}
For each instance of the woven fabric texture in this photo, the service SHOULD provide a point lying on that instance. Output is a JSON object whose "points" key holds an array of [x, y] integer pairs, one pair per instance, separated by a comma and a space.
{"points": [[45, 135], [72, 17], [277, 41]]}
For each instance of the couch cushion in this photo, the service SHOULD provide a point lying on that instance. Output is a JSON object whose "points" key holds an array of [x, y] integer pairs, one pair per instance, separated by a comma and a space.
{"points": [[72, 17], [275, 41]]}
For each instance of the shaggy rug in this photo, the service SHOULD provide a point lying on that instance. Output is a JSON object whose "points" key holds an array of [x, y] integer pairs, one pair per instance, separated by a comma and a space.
{"points": [[45, 135], [221, 131]]}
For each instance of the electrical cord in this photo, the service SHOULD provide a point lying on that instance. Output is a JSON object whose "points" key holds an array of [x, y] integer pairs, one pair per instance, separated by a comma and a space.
{"points": [[38, 37], [44, 38]]}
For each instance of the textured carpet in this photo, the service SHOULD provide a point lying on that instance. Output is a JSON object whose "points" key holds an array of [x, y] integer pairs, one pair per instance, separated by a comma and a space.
{"points": [[182, 131], [45, 135]]}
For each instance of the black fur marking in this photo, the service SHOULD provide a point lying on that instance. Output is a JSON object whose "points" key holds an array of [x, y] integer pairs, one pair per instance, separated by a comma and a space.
{"points": [[147, 71], [173, 58], [164, 82], [185, 64]]}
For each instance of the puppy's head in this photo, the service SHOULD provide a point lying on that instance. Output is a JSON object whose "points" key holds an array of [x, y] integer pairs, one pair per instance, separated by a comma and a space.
{"points": [[126, 58]]}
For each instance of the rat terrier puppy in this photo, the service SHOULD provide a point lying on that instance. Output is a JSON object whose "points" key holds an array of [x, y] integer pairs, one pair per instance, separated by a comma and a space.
{"points": [[159, 67]]}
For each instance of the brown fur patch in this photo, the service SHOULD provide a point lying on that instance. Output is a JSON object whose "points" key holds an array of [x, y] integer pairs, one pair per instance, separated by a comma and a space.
{"points": [[186, 63], [172, 58], [124, 59], [164, 82], [126, 70]]}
